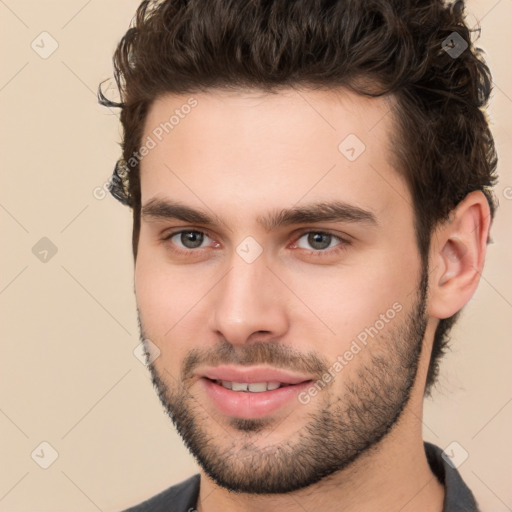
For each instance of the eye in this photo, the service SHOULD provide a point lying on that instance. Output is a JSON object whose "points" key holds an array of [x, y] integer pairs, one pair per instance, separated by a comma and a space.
{"points": [[189, 239], [318, 241], [191, 242]]}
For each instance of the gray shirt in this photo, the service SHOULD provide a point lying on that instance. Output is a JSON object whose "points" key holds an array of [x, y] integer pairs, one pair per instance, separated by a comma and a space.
{"points": [[458, 498]]}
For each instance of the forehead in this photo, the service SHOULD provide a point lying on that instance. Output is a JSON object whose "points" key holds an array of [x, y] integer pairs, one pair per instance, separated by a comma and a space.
{"points": [[237, 147], [254, 116]]}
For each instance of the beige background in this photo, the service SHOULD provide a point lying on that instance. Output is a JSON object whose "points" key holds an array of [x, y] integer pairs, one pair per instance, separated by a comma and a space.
{"points": [[68, 375]]}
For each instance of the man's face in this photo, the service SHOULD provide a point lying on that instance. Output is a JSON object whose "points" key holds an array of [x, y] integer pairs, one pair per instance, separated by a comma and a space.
{"points": [[302, 273]]}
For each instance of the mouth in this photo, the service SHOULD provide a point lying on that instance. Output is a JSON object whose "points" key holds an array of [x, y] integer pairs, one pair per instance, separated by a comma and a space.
{"points": [[251, 392]]}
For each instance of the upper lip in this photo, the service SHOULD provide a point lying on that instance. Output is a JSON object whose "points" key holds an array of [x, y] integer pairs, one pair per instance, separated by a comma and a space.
{"points": [[251, 374]]}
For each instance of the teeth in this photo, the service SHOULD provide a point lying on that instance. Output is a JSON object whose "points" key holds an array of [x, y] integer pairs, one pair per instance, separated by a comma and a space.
{"points": [[257, 387], [253, 387]]}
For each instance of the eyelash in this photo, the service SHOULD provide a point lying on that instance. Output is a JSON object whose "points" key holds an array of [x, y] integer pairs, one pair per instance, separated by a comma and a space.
{"points": [[340, 247]]}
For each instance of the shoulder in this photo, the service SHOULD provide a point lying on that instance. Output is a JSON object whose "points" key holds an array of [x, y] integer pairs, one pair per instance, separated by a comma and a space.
{"points": [[182, 497], [458, 496]]}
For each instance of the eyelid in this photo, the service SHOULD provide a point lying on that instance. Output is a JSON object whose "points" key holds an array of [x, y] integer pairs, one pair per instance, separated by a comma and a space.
{"points": [[295, 236], [168, 235], [342, 239], [185, 229], [325, 231]]}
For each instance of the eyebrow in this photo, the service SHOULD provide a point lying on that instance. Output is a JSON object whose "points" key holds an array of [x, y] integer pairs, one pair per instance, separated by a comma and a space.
{"points": [[332, 211]]}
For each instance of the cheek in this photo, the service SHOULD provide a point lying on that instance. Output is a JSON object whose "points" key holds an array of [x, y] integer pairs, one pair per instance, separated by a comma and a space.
{"points": [[165, 301], [166, 297], [350, 299]]}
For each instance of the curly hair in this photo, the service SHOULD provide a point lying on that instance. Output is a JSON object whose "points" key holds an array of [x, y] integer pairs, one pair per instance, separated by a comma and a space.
{"points": [[443, 147]]}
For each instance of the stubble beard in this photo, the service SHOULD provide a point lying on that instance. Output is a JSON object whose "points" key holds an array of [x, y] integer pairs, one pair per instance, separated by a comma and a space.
{"points": [[339, 429]]}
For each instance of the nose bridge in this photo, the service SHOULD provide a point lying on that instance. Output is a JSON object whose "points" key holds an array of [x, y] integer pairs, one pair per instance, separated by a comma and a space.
{"points": [[247, 300], [244, 292]]}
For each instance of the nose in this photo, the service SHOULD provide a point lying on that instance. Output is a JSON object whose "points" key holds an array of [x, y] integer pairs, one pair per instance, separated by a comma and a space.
{"points": [[248, 304]]}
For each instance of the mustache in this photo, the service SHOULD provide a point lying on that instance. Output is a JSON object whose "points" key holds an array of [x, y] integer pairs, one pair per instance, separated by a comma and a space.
{"points": [[270, 353]]}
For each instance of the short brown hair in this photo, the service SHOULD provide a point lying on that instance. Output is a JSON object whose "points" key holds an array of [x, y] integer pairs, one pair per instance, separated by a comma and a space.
{"points": [[413, 50]]}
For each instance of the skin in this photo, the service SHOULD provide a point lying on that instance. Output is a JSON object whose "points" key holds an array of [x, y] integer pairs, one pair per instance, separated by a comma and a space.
{"points": [[239, 155]]}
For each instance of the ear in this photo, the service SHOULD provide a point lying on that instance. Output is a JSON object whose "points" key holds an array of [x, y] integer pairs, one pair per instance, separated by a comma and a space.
{"points": [[457, 255]]}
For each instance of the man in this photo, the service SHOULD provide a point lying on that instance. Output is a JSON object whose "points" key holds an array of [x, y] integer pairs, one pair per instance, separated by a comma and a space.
{"points": [[310, 185]]}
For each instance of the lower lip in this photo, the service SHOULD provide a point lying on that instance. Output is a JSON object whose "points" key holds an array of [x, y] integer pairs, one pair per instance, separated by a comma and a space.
{"points": [[244, 404]]}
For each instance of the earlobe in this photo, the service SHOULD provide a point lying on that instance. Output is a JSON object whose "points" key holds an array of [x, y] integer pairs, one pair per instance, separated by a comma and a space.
{"points": [[457, 255]]}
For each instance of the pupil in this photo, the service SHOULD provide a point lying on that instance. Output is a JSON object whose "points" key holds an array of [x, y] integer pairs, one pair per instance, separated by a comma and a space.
{"points": [[315, 240], [192, 239]]}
